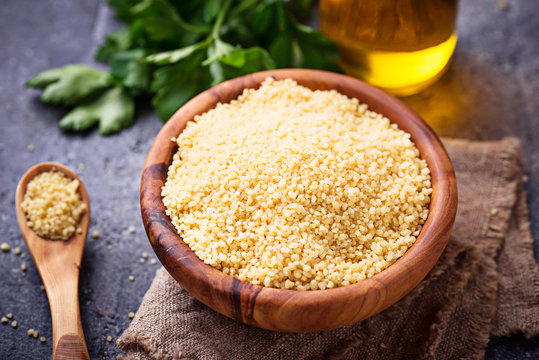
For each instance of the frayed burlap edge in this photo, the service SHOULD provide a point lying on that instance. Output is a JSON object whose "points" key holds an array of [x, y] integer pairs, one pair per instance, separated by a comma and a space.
{"points": [[504, 199], [514, 315]]}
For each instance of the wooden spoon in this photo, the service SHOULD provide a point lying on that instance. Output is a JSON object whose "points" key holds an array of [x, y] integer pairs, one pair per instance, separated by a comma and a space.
{"points": [[58, 263]]}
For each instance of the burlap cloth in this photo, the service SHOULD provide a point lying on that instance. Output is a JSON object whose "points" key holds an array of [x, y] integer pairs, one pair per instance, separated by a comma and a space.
{"points": [[486, 283]]}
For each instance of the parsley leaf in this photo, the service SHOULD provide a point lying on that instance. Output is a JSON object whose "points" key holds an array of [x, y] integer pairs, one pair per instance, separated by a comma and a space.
{"points": [[240, 62], [115, 42], [113, 110], [70, 84], [132, 70], [176, 84], [98, 99]]}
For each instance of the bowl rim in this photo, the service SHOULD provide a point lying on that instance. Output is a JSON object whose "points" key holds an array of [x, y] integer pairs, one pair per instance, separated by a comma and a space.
{"points": [[220, 291]]}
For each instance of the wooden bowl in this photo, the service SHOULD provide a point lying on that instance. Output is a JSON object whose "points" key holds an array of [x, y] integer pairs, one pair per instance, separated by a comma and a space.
{"points": [[291, 310]]}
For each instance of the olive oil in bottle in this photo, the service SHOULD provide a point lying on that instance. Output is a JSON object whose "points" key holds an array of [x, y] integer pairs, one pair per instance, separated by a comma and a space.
{"points": [[400, 46]]}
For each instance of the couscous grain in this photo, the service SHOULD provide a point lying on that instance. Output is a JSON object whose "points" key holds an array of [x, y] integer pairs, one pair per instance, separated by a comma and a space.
{"points": [[298, 189], [52, 205]]}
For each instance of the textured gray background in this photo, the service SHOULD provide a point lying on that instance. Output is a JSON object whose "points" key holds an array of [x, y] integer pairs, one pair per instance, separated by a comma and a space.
{"points": [[491, 91]]}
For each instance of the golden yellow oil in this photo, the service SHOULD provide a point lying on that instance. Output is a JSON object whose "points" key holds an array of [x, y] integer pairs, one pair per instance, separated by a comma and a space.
{"points": [[400, 46]]}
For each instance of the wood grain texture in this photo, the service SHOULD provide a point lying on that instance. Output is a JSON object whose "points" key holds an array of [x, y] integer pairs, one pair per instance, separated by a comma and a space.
{"points": [[289, 310], [58, 263]]}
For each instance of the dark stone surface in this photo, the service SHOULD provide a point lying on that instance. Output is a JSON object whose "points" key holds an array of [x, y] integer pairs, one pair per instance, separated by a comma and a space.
{"points": [[490, 91]]}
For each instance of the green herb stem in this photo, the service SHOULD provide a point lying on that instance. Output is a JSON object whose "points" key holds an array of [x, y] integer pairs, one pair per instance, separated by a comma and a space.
{"points": [[220, 18], [197, 29], [244, 5], [282, 18]]}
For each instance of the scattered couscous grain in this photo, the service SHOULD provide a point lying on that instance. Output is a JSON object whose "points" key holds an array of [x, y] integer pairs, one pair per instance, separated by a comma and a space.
{"points": [[142, 260], [131, 315], [23, 255], [153, 261], [9, 315], [17, 251], [132, 229], [131, 278], [30, 332], [5, 247], [23, 267], [145, 255], [109, 247], [42, 339], [493, 211], [14, 324], [52, 205], [502, 5], [292, 188], [4, 320], [95, 234], [109, 338], [42, 287], [36, 334], [81, 166], [30, 147]]}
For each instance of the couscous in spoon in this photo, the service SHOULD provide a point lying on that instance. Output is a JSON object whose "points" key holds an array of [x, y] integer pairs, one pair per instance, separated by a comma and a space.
{"points": [[58, 263]]}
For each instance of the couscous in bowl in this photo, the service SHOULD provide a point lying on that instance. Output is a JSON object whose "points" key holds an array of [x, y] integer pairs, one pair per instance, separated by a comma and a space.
{"points": [[292, 310]]}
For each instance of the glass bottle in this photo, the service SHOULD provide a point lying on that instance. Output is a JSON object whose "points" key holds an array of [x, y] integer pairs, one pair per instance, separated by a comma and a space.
{"points": [[401, 46]]}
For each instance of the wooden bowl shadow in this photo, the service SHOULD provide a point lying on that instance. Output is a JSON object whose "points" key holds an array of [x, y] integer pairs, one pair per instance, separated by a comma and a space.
{"points": [[290, 310]]}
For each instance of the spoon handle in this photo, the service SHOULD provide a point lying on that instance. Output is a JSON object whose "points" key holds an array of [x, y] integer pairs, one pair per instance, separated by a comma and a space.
{"points": [[60, 276]]}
